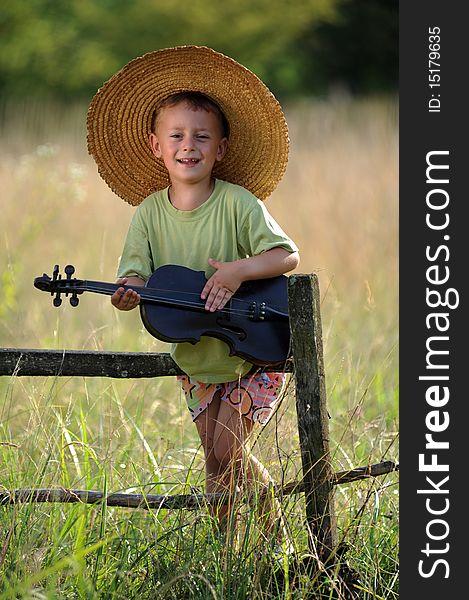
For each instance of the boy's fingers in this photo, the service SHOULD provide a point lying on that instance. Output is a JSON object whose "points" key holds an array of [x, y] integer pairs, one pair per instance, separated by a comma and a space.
{"points": [[207, 288], [125, 299], [217, 299], [215, 294], [116, 296], [130, 298], [216, 264]]}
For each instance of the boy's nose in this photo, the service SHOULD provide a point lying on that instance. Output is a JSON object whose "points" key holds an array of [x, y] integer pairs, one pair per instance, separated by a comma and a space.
{"points": [[188, 144]]}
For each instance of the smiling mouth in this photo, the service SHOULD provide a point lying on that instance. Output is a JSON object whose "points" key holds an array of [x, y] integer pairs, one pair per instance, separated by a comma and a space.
{"points": [[188, 161]]}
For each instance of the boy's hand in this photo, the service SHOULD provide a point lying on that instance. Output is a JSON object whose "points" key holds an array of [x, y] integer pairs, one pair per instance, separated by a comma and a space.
{"points": [[230, 275], [125, 299], [221, 285]]}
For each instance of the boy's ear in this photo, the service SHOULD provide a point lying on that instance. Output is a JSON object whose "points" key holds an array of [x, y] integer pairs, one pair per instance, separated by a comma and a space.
{"points": [[154, 145], [222, 148]]}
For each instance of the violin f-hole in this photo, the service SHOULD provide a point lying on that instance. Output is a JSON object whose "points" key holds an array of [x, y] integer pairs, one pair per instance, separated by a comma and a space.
{"points": [[221, 322]]}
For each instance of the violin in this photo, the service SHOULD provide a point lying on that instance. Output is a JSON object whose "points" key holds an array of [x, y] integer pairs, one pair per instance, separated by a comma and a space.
{"points": [[254, 323]]}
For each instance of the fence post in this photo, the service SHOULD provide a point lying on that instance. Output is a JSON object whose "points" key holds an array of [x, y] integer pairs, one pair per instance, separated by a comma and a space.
{"points": [[313, 425]]}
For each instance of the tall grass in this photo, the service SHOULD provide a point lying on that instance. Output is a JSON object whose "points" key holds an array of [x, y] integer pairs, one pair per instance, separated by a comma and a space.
{"points": [[338, 200]]}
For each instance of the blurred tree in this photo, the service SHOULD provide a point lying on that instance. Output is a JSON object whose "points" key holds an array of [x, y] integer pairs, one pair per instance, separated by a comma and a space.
{"points": [[68, 48], [358, 51]]}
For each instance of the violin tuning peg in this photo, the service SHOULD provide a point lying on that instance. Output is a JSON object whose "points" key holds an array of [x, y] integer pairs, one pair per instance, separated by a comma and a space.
{"points": [[74, 300], [55, 273], [57, 301], [69, 270]]}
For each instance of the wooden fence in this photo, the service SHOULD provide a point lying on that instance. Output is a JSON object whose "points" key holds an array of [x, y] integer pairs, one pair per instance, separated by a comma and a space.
{"points": [[307, 365]]}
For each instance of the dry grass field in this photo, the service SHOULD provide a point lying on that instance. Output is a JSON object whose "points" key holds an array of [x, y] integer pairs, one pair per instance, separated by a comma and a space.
{"points": [[338, 201]]}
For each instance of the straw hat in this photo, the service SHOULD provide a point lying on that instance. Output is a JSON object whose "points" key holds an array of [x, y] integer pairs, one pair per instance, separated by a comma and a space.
{"points": [[119, 121]]}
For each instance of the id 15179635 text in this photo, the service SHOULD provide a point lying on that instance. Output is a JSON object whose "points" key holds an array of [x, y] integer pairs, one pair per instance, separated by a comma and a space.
{"points": [[434, 69]]}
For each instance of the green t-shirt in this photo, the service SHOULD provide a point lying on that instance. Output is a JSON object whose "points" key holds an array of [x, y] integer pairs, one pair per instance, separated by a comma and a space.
{"points": [[230, 225]]}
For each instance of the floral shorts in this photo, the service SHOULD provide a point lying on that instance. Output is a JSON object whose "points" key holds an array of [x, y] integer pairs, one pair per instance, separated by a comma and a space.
{"points": [[254, 396]]}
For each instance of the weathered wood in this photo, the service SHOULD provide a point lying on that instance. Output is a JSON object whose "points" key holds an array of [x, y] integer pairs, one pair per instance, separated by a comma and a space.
{"points": [[86, 363], [313, 426], [189, 501], [165, 501], [341, 477], [357, 473]]}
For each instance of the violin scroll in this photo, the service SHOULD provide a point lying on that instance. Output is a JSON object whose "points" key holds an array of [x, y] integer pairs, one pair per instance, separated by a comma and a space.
{"points": [[58, 286]]}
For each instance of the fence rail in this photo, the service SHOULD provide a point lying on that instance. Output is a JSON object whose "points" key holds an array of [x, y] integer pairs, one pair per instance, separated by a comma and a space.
{"points": [[167, 501], [86, 363], [306, 364]]}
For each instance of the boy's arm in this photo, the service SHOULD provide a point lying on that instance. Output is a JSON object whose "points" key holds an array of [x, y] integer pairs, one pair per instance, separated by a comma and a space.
{"points": [[230, 275], [127, 299]]}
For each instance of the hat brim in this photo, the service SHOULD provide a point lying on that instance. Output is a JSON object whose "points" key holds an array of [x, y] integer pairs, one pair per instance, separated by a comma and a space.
{"points": [[120, 114]]}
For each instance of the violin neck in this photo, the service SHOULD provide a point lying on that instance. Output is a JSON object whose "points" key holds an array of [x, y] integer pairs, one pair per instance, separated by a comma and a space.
{"points": [[146, 294], [108, 289]]}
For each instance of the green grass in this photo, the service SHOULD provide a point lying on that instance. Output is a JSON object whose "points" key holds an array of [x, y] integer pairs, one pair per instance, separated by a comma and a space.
{"points": [[136, 436]]}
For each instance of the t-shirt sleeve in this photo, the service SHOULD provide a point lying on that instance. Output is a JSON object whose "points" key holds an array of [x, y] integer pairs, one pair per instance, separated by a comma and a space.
{"points": [[260, 232], [136, 256]]}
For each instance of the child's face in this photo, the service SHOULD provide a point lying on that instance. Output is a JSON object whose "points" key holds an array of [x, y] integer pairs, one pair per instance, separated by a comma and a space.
{"points": [[189, 142]]}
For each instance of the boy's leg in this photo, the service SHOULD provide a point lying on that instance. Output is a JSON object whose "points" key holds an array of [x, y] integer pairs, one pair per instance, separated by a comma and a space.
{"points": [[240, 467], [224, 435], [206, 423], [214, 471]]}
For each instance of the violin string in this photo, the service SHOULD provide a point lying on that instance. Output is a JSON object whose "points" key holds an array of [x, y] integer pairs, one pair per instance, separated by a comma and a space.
{"points": [[105, 288], [233, 298], [154, 289], [182, 303]]}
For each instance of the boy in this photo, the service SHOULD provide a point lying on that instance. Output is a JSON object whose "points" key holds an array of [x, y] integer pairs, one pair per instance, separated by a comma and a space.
{"points": [[215, 136]]}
